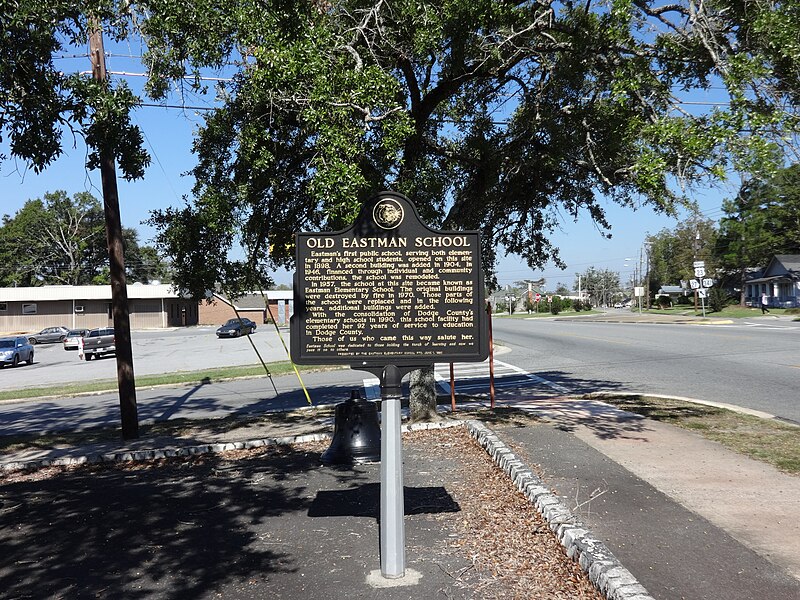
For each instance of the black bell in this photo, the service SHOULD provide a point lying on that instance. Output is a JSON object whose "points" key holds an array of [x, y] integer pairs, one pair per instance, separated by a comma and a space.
{"points": [[356, 433]]}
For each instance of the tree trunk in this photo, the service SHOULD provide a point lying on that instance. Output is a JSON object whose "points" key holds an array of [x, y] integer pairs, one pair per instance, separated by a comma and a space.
{"points": [[743, 292], [422, 397]]}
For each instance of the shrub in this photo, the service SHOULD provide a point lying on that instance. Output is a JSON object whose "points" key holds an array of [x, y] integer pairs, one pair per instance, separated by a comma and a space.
{"points": [[664, 302], [718, 299], [577, 305], [555, 305], [587, 305]]}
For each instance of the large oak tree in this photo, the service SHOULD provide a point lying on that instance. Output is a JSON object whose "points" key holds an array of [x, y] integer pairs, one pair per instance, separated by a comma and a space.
{"points": [[502, 116]]}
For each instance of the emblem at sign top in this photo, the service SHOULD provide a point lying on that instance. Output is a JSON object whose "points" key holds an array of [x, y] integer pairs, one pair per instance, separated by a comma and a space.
{"points": [[388, 213]]}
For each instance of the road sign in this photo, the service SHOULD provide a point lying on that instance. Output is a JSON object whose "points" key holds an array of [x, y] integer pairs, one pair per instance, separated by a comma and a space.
{"points": [[707, 283], [638, 291], [701, 293], [694, 284], [700, 272], [698, 264], [538, 297]]}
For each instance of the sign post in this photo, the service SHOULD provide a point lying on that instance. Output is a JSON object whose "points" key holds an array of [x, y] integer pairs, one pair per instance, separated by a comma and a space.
{"points": [[701, 284], [389, 295]]}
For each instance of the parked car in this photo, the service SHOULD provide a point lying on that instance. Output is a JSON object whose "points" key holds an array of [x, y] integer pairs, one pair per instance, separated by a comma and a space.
{"points": [[73, 337], [236, 327], [48, 335], [14, 350], [99, 342]]}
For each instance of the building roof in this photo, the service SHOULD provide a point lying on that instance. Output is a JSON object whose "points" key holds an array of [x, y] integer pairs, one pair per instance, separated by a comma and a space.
{"points": [[790, 261], [46, 293], [781, 267], [671, 289]]}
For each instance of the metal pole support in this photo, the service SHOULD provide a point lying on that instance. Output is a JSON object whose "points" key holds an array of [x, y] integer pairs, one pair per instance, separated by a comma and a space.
{"points": [[393, 534]]}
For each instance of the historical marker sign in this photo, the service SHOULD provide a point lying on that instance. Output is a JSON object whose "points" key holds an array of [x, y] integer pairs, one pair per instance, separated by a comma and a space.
{"points": [[388, 290]]}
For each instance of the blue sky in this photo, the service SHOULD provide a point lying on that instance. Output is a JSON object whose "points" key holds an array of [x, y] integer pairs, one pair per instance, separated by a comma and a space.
{"points": [[168, 136]]}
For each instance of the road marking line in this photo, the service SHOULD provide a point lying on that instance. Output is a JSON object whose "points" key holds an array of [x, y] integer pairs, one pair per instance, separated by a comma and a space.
{"points": [[551, 384], [372, 385]]}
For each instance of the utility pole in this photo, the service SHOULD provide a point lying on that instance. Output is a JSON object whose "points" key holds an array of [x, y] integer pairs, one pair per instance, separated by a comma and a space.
{"points": [[696, 248], [647, 276], [116, 259]]}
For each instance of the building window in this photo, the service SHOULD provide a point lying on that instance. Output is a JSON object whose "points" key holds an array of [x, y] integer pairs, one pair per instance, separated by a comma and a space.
{"points": [[3, 306], [29, 309]]}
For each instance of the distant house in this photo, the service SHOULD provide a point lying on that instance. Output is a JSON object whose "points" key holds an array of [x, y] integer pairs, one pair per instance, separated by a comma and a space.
{"points": [[271, 306], [780, 281], [26, 309], [673, 292]]}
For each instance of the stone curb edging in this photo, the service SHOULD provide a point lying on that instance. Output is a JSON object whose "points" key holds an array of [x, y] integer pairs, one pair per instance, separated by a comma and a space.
{"points": [[605, 571], [142, 455]]}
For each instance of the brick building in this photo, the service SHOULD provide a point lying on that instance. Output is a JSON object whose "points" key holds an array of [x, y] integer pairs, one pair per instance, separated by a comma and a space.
{"points": [[272, 306]]}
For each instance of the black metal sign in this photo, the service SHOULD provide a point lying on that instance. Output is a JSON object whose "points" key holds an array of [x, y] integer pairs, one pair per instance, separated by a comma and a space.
{"points": [[388, 290]]}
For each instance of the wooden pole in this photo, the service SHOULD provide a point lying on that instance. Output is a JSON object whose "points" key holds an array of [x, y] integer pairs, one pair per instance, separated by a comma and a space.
{"points": [[116, 259]]}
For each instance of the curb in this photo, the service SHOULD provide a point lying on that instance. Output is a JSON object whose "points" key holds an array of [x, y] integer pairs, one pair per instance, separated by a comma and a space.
{"points": [[605, 571], [216, 448], [598, 396]]}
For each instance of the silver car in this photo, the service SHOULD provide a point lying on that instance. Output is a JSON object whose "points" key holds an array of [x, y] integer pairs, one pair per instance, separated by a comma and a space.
{"points": [[14, 350], [48, 335]]}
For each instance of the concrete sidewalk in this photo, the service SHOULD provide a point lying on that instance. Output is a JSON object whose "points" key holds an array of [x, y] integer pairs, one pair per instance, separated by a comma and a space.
{"points": [[687, 517]]}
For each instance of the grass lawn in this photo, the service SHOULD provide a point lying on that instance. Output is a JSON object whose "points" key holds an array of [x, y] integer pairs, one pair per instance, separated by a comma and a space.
{"points": [[729, 312]]}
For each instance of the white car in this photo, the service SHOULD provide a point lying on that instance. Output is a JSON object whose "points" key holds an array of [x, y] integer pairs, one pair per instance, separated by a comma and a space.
{"points": [[73, 337]]}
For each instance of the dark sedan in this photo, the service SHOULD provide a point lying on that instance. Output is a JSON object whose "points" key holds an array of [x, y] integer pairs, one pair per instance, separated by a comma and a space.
{"points": [[236, 328]]}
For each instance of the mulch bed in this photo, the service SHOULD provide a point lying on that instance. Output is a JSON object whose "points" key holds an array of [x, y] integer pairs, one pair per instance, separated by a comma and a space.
{"points": [[508, 547]]}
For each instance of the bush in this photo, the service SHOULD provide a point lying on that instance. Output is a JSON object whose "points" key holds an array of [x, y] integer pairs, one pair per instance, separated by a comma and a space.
{"points": [[587, 306], [555, 305], [664, 302], [718, 299], [566, 303], [577, 305]]}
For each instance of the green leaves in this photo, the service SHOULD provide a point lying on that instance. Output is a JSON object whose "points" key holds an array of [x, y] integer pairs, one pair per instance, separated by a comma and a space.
{"points": [[61, 240], [503, 116]]}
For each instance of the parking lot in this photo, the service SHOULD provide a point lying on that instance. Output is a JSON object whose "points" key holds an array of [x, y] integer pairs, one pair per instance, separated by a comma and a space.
{"points": [[154, 352]]}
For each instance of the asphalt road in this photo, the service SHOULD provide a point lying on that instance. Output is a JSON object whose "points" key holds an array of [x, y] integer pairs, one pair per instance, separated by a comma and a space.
{"points": [[753, 364], [750, 365]]}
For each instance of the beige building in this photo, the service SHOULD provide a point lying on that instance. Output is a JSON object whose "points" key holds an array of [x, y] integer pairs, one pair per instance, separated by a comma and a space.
{"points": [[30, 309]]}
